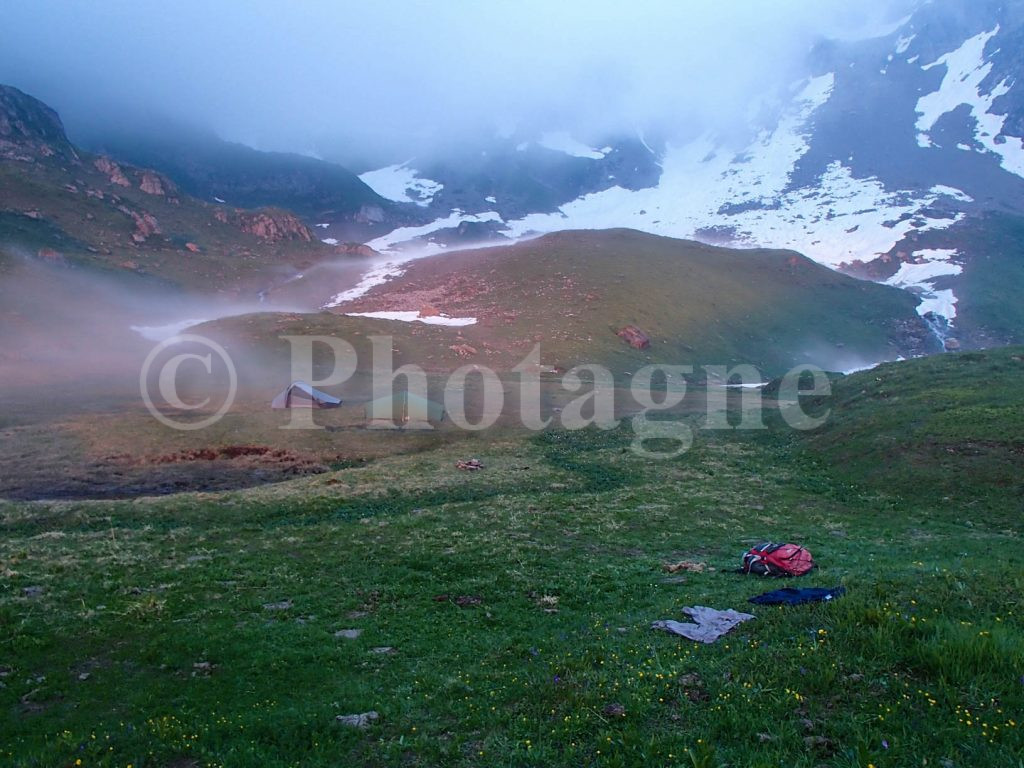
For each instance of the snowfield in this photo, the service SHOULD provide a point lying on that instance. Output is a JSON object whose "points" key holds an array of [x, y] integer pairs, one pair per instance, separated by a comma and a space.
{"points": [[966, 69], [402, 184], [748, 194]]}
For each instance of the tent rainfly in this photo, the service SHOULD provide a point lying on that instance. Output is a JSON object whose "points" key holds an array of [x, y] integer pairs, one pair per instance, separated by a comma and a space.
{"points": [[299, 394]]}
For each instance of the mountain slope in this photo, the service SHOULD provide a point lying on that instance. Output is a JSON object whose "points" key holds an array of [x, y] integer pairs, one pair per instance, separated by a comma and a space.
{"points": [[210, 168], [572, 291], [890, 152], [64, 206], [944, 428]]}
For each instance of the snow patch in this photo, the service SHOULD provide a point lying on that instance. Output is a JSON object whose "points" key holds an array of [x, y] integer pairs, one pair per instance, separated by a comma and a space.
{"points": [[164, 332], [370, 280], [956, 194], [402, 184], [919, 278], [561, 141], [330, 240], [415, 317], [859, 368], [917, 275], [904, 43], [396, 259], [941, 303], [966, 69], [322, 226], [403, 234]]}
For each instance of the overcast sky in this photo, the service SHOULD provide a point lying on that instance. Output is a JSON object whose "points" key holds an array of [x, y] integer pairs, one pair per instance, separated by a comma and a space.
{"points": [[313, 76]]}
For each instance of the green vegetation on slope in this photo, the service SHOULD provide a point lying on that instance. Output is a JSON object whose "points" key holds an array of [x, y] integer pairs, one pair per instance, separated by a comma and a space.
{"points": [[48, 207], [65, 206], [948, 428], [199, 629], [572, 291]]}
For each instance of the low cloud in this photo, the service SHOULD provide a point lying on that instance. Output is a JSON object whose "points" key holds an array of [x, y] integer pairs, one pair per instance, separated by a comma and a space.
{"points": [[394, 77]]}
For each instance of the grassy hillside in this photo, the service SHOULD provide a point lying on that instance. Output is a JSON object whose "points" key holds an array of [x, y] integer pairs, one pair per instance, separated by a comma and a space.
{"points": [[947, 428], [699, 304], [41, 212], [67, 207], [504, 614]]}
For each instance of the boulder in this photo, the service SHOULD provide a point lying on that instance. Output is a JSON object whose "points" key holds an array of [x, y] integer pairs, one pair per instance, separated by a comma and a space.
{"points": [[369, 214], [361, 720], [634, 337], [357, 249], [154, 184], [463, 350]]}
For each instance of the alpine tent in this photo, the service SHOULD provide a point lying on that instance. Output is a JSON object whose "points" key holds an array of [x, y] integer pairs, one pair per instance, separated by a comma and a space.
{"points": [[299, 394]]}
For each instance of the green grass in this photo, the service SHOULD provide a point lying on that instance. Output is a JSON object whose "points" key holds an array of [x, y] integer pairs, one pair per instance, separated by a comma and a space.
{"points": [[948, 428], [699, 304], [562, 536]]}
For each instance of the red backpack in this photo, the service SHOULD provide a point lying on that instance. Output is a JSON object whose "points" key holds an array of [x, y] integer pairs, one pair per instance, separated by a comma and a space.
{"points": [[768, 559]]}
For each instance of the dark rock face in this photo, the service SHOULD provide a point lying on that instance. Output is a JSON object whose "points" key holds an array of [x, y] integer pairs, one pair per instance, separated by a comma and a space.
{"points": [[207, 167], [515, 178], [30, 130]]}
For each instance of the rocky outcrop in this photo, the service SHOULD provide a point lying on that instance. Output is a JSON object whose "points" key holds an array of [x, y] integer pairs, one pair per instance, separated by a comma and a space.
{"points": [[154, 184], [112, 171], [272, 225], [634, 337], [267, 224], [369, 214], [357, 249], [145, 224], [150, 182], [463, 350], [50, 256], [29, 130]]}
